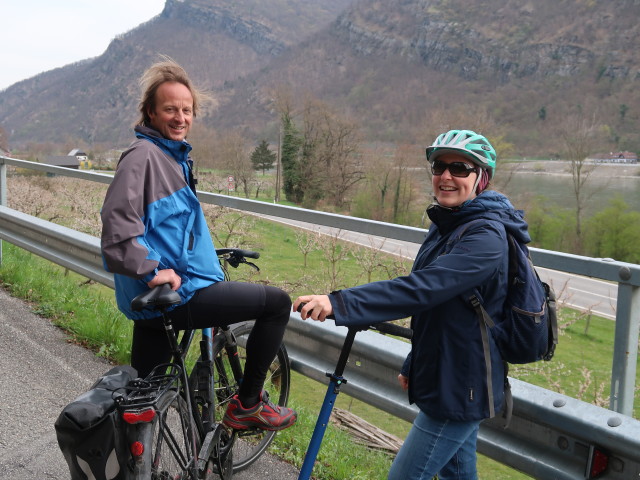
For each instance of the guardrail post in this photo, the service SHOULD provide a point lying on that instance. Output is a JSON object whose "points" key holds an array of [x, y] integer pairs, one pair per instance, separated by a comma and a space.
{"points": [[3, 192], [625, 348]]}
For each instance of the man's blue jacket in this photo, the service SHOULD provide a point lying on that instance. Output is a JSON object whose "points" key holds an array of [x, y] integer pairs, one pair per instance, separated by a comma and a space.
{"points": [[446, 367], [152, 220]]}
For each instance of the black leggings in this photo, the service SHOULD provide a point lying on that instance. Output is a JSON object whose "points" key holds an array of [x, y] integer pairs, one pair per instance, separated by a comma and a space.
{"points": [[222, 303]]}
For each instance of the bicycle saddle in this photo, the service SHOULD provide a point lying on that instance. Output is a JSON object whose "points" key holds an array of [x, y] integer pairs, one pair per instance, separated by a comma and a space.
{"points": [[157, 297]]}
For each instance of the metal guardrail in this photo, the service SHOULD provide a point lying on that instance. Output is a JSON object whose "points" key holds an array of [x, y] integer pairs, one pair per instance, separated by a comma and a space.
{"points": [[626, 275], [550, 436]]}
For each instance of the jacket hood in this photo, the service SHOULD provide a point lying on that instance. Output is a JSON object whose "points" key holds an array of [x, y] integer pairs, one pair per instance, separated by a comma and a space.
{"points": [[490, 205]]}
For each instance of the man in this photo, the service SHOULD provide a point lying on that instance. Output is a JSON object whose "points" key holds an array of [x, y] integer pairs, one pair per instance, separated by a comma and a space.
{"points": [[154, 232]]}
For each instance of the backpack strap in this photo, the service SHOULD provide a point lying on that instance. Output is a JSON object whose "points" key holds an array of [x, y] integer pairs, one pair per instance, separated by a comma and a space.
{"points": [[487, 357], [508, 398], [485, 322]]}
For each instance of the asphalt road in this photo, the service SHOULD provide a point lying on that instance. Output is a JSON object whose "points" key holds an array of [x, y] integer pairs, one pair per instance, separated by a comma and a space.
{"points": [[40, 372]]}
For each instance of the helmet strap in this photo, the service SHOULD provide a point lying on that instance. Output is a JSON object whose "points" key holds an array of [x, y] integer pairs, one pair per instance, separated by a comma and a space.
{"points": [[475, 184]]}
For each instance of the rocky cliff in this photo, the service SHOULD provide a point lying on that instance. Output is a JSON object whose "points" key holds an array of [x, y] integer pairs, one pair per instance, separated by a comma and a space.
{"points": [[400, 67]]}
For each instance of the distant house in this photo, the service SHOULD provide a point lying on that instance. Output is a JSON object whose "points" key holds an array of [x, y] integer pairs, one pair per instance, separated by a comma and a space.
{"points": [[74, 159], [67, 161], [615, 157], [79, 154]]}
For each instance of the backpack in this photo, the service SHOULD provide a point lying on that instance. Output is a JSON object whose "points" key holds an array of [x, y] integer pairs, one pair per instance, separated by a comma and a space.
{"points": [[90, 433], [527, 330]]}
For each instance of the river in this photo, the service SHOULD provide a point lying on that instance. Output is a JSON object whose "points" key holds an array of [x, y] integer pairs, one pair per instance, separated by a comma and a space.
{"points": [[556, 186]]}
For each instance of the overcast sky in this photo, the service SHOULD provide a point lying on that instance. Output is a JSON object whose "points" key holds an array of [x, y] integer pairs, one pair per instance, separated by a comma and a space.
{"points": [[40, 35]]}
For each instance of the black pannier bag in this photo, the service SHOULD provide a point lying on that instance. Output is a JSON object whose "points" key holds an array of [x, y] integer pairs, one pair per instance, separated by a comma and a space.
{"points": [[90, 432]]}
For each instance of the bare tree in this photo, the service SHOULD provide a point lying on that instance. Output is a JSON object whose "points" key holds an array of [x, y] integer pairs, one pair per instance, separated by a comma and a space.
{"points": [[334, 251], [234, 157], [318, 150], [337, 151], [229, 228], [307, 242], [580, 135], [282, 102], [204, 142], [389, 184], [4, 140]]}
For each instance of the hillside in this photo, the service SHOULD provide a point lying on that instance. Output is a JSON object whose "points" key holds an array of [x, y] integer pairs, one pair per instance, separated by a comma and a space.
{"points": [[404, 69], [217, 41], [410, 69]]}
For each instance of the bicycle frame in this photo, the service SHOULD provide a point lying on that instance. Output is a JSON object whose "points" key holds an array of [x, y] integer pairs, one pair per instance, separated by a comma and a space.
{"points": [[189, 389], [205, 440]]}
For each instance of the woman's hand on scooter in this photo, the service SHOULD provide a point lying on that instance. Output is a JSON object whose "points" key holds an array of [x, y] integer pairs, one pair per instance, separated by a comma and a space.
{"points": [[315, 307]]}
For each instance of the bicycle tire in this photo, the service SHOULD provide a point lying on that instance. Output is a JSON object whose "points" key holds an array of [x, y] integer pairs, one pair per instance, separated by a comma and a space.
{"points": [[173, 433], [249, 445]]}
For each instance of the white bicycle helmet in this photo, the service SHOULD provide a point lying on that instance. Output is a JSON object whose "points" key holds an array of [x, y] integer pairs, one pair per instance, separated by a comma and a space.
{"points": [[467, 143]]}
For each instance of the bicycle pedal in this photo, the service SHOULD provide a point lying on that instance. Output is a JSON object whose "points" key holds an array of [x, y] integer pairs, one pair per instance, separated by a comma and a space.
{"points": [[248, 432]]}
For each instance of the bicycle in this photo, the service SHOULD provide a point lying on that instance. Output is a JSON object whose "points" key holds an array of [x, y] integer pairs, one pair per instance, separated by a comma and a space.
{"points": [[336, 380], [173, 417]]}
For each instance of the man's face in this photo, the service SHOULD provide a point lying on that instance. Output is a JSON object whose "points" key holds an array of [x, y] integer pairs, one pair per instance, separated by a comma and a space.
{"points": [[173, 112]]}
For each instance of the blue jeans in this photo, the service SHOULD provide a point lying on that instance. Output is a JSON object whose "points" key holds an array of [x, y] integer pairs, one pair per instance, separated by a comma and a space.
{"points": [[441, 447]]}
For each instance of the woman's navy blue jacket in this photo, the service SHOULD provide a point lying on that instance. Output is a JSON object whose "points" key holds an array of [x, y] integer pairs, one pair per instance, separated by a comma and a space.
{"points": [[446, 367]]}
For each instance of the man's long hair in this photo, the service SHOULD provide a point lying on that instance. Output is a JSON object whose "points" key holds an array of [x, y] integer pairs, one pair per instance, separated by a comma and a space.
{"points": [[166, 70]]}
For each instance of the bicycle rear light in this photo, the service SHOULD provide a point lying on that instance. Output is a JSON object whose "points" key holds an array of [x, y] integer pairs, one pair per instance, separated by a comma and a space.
{"points": [[137, 449], [144, 415]]}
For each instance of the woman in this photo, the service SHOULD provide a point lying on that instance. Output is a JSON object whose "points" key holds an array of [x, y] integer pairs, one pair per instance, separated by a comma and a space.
{"points": [[445, 373]]}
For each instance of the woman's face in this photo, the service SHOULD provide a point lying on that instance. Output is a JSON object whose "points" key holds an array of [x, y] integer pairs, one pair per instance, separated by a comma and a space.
{"points": [[451, 191]]}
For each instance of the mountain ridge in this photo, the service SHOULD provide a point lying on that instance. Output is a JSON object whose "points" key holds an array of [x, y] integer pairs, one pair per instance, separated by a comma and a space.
{"points": [[404, 68]]}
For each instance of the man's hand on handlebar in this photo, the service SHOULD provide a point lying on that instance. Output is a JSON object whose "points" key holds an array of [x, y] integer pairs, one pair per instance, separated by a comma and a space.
{"points": [[315, 307], [166, 276]]}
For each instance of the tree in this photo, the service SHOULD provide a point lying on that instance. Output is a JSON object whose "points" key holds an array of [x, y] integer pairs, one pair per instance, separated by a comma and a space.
{"points": [[282, 102], [623, 109], [542, 113], [234, 157], [291, 147], [4, 141], [204, 141], [389, 186], [613, 232], [579, 136], [337, 151], [319, 157], [262, 158]]}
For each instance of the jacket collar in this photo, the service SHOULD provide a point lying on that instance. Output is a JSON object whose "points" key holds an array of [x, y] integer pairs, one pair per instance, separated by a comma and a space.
{"points": [[178, 150]]}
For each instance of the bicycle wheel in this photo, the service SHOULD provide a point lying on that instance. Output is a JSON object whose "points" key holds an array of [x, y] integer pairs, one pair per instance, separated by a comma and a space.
{"points": [[173, 440], [250, 444]]}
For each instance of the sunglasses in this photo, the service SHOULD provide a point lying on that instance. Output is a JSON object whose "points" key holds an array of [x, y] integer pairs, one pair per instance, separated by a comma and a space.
{"points": [[456, 169]]}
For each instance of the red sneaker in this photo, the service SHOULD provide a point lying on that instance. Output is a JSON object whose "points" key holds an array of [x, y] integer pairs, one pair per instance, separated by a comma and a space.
{"points": [[264, 415]]}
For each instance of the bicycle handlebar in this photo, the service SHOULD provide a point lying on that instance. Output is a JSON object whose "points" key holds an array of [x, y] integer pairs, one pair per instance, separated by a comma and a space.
{"points": [[237, 252], [393, 329], [382, 327]]}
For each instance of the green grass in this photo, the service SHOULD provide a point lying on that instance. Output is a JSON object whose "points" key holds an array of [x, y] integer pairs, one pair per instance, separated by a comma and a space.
{"points": [[580, 369]]}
